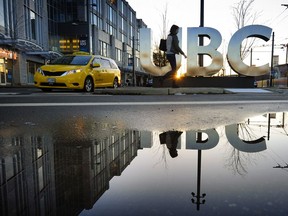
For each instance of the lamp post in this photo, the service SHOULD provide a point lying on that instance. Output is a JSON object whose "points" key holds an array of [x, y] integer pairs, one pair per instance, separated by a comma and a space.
{"points": [[251, 52], [199, 197], [286, 57], [286, 5], [272, 58], [201, 39], [133, 61]]}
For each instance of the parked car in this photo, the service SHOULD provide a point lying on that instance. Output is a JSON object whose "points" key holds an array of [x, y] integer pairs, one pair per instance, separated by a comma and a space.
{"points": [[78, 71]]}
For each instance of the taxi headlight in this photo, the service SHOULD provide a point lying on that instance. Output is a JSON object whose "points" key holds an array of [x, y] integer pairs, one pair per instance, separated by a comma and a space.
{"points": [[71, 72], [39, 70]]}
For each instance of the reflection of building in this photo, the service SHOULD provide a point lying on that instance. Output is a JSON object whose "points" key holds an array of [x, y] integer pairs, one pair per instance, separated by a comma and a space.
{"points": [[26, 175], [278, 119], [32, 32], [38, 176], [83, 170]]}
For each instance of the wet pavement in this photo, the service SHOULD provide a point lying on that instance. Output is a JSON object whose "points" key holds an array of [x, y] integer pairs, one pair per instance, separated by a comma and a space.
{"points": [[182, 156]]}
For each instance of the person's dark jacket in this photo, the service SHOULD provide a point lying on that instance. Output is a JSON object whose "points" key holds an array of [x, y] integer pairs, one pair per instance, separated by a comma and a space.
{"points": [[173, 45]]}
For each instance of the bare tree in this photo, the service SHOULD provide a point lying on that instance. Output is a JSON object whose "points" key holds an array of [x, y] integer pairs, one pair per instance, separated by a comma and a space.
{"points": [[159, 57], [243, 15], [238, 161], [164, 28]]}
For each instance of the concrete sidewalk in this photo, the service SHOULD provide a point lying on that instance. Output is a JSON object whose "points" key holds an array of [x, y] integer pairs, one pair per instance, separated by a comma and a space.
{"points": [[175, 91], [163, 91]]}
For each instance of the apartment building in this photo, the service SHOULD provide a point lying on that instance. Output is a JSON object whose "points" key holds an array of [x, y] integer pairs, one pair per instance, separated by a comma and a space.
{"points": [[35, 31]]}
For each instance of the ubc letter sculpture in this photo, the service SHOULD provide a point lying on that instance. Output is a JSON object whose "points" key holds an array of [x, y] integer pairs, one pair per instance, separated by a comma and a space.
{"points": [[146, 58], [194, 50]]}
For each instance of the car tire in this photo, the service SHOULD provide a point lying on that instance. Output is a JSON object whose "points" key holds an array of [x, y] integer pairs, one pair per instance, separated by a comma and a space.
{"points": [[88, 85], [115, 83]]}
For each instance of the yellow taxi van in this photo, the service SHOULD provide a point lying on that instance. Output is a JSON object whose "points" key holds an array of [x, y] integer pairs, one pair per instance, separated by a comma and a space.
{"points": [[80, 71]]}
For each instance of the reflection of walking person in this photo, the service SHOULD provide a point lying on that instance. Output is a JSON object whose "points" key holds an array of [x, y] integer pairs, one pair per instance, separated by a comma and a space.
{"points": [[170, 138], [172, 44]]}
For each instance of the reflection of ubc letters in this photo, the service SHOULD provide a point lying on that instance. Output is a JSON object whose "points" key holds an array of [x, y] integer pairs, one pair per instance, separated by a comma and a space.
{"points": [[193, 50], [232, 136]]}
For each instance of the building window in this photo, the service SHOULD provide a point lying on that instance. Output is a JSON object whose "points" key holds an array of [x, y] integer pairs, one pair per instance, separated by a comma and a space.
{"points": [[69, 45], [33, 25], [118, 55], [131, 34], [104, 48], [131, 16], [2, 23], [111, 21]]}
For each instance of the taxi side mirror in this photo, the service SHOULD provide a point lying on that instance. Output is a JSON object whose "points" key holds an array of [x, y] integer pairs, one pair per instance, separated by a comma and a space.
{"points": [[95, 65]]}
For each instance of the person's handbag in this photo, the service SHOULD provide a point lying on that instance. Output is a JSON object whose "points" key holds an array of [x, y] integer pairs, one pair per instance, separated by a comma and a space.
{"points": [[162, 45]]}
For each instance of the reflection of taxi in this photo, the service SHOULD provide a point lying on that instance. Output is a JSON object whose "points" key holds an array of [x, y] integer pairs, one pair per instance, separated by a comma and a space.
{"points": [[78, 71]]}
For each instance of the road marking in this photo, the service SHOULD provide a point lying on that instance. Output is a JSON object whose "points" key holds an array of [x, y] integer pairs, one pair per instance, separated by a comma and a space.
{"points": [[247, 90], [154, 103], [8, 93]]}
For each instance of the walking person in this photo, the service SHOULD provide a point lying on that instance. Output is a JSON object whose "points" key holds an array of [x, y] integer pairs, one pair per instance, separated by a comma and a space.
{"points": [[173, 48], [170, 138]]}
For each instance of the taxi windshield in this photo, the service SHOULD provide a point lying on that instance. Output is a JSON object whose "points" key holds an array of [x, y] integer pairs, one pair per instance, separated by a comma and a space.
{"points": [[71, 60]]}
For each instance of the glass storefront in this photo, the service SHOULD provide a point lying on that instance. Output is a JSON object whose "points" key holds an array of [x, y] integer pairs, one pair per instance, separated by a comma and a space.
{"points": [[31, 68], [6, 66], [2, 72]]}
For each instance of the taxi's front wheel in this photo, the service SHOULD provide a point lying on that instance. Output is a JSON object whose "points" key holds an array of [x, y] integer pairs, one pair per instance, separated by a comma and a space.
{"points": [[115, 83], [88, 85]]}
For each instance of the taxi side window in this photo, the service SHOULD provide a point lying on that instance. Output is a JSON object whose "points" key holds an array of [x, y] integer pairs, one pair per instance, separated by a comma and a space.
{"points": [[105, 63], [96, 60], [113, 65]]}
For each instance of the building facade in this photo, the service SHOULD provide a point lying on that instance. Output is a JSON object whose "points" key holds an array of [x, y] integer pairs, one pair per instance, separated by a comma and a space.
{"points": [[35, 31]]}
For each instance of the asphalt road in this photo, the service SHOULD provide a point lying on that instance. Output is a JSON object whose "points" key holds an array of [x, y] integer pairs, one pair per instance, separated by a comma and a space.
{"points": [[142, 112], [33, 95]]}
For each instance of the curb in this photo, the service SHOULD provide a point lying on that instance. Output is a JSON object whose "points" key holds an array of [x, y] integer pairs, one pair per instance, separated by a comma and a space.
{"points": [[160, 91]]}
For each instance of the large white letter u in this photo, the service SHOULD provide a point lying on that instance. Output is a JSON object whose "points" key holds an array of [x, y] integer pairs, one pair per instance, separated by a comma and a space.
{"points": [[146, 50]]}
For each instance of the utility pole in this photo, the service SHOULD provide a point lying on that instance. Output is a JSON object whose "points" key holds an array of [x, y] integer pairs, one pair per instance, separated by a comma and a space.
{"points": [[272, 54], [251, 53], [199, 197], [133, 61], [201, 39], [286, 59]]}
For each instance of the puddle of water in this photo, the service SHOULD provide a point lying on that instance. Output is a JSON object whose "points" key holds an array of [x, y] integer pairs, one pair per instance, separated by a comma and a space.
{"points": [[87, 166]]}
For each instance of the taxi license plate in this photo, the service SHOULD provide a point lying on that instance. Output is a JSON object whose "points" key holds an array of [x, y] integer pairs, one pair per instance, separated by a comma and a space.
{"points": [[51, 81]]}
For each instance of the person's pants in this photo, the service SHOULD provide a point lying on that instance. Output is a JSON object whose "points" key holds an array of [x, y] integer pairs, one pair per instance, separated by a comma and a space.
{"points": [[172, 60]]}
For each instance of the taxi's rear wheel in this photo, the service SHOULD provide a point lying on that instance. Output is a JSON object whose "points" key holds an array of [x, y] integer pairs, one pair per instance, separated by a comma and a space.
{"points": [[115, 83], [88, 85]]}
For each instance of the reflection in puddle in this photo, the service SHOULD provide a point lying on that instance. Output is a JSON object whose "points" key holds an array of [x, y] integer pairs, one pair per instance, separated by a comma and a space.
{"points": [[100, 169]]}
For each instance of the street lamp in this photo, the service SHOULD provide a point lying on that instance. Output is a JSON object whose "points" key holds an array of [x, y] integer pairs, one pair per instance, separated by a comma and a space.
{"points": [[201, 39], [272, 57], [286, 45], [199, 198], [133, 59]]}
